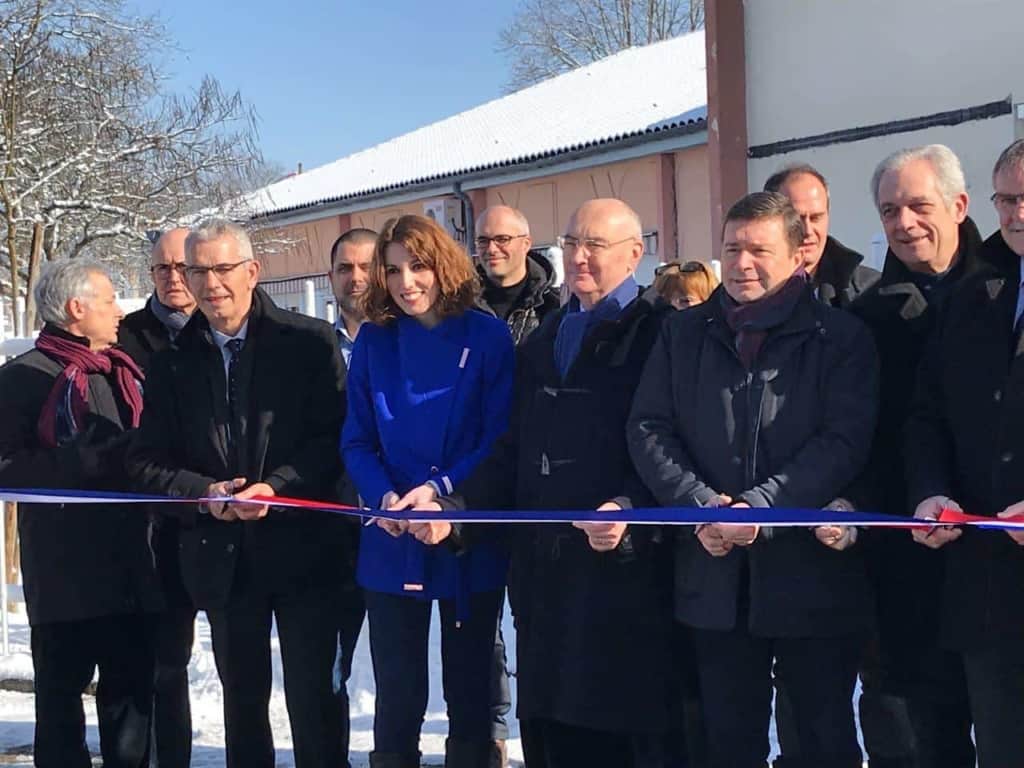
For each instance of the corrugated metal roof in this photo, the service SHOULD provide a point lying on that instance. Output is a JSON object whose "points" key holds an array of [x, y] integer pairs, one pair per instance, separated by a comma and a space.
{"points": [[637, 91]]}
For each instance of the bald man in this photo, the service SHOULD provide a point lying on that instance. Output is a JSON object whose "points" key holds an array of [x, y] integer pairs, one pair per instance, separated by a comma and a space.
{"points": [[142, 335], [591, 601], [518, 287]]}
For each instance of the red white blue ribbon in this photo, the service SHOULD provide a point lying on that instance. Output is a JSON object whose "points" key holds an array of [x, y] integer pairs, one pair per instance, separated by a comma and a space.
{"points": [[769, 517]]}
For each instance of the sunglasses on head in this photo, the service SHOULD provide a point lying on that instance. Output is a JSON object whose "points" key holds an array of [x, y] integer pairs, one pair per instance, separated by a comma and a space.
{"points": [[678, 266]]}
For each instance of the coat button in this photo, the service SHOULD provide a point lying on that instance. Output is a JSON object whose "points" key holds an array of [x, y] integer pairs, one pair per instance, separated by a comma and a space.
{"points": [[997, 395], [736, 460], [1007, 457], [434, 470], [231, 547], [202, 541]]}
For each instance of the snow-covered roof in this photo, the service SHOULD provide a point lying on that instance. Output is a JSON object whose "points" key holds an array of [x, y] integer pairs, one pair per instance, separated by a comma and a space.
{"points": [[637, 91]]}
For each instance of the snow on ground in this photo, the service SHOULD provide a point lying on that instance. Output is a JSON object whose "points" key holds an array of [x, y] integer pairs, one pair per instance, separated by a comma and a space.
{"points": [[17, 716]]}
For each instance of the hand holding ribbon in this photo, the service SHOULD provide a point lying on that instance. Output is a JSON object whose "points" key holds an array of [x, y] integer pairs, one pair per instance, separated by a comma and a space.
{"points": [[936, 536], [1014, 511], [603, 537]]}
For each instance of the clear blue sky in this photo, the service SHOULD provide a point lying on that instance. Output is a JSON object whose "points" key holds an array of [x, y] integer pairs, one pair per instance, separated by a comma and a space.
{"points": [[330, 78]]}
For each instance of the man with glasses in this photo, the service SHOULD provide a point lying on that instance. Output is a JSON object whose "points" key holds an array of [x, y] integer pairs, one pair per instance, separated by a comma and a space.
{"points": [[154, 327], [964, 450], [590, 601], [249, 404], [517, 286], [835, 271], [143, 334]]}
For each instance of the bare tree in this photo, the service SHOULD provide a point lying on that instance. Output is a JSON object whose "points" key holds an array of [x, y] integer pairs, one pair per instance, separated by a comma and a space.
{"points": [[548, 37], [93, 154]]}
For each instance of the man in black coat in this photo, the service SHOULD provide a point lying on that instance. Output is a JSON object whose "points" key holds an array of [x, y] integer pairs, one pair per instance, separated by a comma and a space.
{"points": [[249, 404], [143, 334], [90, 584], [934, 246], [836, 271], [518, 286], [764, 397], [590, 601], [965, 450]]}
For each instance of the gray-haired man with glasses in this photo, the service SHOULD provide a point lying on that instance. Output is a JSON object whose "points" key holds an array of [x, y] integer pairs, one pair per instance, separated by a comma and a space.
{"points": [[249, 404]]}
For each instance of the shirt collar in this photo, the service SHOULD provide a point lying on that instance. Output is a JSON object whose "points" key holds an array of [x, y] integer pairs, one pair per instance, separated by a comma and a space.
{"points": [[221, 339], [342, 329]]}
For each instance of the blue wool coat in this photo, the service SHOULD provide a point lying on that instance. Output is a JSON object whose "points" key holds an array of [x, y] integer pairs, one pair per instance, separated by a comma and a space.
{"points": [[425, 404]]}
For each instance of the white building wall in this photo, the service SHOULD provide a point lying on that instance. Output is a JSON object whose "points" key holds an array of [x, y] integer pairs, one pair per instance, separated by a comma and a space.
{"points": [[848, 168], [816, 66]]}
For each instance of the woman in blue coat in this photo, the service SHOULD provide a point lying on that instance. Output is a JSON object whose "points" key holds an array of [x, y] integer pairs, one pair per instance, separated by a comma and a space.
{"points": [[429, 390]]}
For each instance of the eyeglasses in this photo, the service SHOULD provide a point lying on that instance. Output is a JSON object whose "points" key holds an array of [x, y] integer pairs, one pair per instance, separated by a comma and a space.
{"points": [[502, 241], [1007, 202], [163, 271], [220, 270], [570, 244], [677, 266]]}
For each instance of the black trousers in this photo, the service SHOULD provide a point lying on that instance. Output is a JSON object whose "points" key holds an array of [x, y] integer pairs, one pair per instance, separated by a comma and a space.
{"points": [[995, 684], [884, 718], [65, 655], [735, 673], [172, 714], [351, 613], [307, 632], [939, 708], [550, 744], [399, 632]]}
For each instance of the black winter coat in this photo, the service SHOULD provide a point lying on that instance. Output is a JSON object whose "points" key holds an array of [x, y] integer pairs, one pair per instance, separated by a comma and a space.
{"points": [[291, 412], [840, 277], [901, 318], [790, 433], [78, 561], [538, 299], [142, 336], [965, 440], [592, 629]]}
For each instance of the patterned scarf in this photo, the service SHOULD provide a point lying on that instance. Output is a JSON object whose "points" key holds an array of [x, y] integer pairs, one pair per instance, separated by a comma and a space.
{"points": [[67, 406]]}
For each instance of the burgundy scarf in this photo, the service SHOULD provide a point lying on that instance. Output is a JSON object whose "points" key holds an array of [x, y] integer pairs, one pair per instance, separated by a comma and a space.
{"points": [[752, 321], [68, 404]]}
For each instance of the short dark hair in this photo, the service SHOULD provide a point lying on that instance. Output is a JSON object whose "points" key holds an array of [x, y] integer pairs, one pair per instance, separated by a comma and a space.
{"points": [[778, 179], [768, 205], [355, 236]]}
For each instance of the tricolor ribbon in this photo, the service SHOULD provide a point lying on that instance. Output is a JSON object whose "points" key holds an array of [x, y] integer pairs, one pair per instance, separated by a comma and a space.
{"points": [[764, 516]]}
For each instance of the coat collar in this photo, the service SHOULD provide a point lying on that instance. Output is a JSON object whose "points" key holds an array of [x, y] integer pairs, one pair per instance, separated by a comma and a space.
{"points": [[837, 265], [898, 283]]}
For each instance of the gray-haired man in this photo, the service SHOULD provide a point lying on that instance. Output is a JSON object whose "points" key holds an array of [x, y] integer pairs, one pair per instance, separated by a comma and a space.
{"points": [[249, 404], [90, 585]]}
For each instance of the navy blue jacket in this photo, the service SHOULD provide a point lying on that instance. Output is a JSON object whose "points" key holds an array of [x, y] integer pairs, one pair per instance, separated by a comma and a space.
{"points": [[425, 404]]}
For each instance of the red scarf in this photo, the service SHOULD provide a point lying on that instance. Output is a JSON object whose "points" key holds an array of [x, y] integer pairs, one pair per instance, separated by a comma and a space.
{"points": [[67, 406]]}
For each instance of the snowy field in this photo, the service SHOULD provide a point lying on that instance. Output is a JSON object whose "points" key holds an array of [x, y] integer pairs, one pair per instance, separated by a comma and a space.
{"points": [[16, 709]]}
